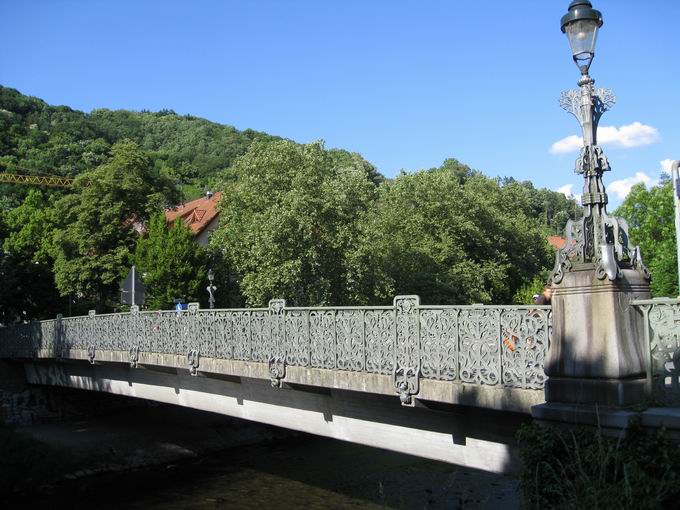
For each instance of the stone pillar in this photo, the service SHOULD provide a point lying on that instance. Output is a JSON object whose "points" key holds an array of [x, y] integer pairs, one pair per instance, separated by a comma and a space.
{"points": [[597, 353]]}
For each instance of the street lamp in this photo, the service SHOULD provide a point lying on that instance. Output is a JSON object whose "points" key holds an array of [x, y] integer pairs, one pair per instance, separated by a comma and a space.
{"points": [[596, 350], [581, 24], [211, 289], [597, 239]]}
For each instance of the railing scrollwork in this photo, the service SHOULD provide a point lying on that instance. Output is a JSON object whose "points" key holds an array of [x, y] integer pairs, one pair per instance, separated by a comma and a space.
{"points": [[408, 342], [662, 340]]}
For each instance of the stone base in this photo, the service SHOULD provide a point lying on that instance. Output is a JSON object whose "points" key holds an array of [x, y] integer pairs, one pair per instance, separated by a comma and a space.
{"points": [[609, 421], [603, 392], [597, 353]]}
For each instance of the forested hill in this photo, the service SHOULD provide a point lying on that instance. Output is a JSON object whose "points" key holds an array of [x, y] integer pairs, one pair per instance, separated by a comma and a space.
{"points": [[37, 138]]}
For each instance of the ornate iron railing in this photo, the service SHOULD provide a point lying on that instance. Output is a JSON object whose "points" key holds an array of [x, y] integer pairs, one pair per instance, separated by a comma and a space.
{"points": [[662, 340], [485, 345]]}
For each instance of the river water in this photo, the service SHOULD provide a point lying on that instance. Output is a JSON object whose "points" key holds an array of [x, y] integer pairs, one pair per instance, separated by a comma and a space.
{"points": [[285, 471]]}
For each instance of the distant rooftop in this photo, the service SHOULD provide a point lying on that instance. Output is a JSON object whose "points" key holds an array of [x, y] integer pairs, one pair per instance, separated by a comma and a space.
{"points": [[197, 214]]}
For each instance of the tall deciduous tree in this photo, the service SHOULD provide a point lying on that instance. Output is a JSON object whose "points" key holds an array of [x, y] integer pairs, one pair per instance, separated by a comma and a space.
{"points": [[650, 216], [449, 235], [28, 289], [289, 215], [172, 262], [92, 247]]}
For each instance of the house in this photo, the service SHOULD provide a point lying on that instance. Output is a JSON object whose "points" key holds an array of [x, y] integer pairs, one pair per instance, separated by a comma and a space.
{"points": [[200, 215]]}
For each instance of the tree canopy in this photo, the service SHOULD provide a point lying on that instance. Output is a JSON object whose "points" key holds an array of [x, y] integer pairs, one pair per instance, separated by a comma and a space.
{"points": [[172, 263], [309, 224], [289, 218], [92, 247], [36, 138], [449, 235], [651, 220]]}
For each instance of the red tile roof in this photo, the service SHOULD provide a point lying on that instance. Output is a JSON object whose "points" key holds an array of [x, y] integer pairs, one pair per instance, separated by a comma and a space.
{"points": [[197, 214]]}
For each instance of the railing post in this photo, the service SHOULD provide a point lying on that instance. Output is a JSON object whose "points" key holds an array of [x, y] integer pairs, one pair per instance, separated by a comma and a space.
{"points": [[406, 374], [277, 356]]}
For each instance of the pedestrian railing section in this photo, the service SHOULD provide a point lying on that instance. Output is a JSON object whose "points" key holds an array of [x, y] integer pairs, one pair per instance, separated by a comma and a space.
{"points": [[662, 341], [503, 346]]}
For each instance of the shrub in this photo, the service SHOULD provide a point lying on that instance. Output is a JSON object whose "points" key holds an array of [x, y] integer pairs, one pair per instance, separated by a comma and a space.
{"points": [[576, 469]]}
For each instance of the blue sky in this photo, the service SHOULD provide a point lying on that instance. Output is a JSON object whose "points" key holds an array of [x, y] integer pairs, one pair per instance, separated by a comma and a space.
{"points": [[406, 84]]}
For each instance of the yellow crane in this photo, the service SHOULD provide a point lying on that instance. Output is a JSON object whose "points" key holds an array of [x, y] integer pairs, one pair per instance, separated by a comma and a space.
{"points": [[36, 180]]}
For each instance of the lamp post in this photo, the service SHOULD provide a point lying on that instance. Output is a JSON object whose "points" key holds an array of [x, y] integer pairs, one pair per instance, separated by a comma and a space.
{"points": [[211, 289], [597, 238], [596, 357]]}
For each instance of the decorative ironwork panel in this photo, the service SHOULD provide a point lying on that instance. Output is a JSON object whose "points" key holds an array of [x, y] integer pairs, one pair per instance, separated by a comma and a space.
{"points": [[380, 333], [183, 325], [322, 338], [479, 354], [116, 331], [240, 330], [524, 345], [278, 328], [663, 336], [474, 345], [297, 346], [210, 328], [407, 349], [48, 335], [261, 334], [439, 344], [349, 327]]}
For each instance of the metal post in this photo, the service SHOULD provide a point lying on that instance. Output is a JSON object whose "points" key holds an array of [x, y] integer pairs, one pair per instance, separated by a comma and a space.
{"points": [[134, 277], [211, 289], [676, 201]]}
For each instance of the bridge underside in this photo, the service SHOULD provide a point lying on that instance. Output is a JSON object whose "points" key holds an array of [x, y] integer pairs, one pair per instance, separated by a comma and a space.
{"points": [[463, 435]]}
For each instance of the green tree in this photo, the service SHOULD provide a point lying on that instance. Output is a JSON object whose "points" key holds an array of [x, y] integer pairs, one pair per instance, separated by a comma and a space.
{"points": [[289, 214], [651, 220], [28, 289], [449, 235], [30, 226], [97, 222], [172, 262]]}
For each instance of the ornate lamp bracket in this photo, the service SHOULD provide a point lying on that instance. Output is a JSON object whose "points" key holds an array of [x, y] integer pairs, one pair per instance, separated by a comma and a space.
{"points": [[406, 384], [277, 370], [91, 353], [597, 238], [193, 359]]}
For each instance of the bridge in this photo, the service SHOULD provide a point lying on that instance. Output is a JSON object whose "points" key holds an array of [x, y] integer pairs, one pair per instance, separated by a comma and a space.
{"points": [[449, 383]]}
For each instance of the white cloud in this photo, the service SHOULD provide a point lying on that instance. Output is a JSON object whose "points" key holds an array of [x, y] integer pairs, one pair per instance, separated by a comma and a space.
{"points": [[666, 165], [632, 135], [569, 144], [622, 187], [567, 191]]}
